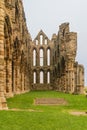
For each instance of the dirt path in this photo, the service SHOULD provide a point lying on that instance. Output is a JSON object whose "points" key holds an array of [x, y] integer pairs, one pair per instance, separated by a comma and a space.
{"points": [[21, 110], [78, 113]]}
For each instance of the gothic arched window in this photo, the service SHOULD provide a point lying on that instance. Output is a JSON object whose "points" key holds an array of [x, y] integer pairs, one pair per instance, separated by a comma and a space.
{"points": [[34, 77], [41, 57], [48, 57], [41, 39], [41, 77], [34, 57], [48, 77], [45, 41], [36, 42]]}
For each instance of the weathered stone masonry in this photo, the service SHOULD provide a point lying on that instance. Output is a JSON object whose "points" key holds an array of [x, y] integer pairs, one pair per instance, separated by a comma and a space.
{"points": [[14, 50], [69, 75], [41, 64], [59, 69]]}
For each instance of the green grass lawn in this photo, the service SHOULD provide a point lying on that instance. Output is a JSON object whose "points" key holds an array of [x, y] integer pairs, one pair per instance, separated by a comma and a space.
{"points": [[44, 117]]}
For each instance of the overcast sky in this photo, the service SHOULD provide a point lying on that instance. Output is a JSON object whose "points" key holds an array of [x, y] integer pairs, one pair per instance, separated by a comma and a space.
{"points": [[49, 14]]}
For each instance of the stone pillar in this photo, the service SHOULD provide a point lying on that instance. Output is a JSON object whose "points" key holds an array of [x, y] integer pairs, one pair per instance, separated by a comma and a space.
{"points": [[63, 82], [38, 57], [70, 77], [3, 104], [22, 81], [8, 76], [45, 57], [72, 81], [18, 80], [38, 76], [14, 79], [45, 77], [80, 80]]}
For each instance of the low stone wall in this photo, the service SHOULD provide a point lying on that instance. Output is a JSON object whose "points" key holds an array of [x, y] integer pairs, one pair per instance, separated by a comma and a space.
{"points": [[41, 87]]}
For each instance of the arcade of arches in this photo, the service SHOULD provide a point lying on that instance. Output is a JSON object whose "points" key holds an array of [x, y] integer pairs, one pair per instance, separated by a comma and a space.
{"points": [[39, 64]]}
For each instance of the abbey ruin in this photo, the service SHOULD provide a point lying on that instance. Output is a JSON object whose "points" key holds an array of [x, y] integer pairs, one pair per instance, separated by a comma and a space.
{"points": [[39, 64]]}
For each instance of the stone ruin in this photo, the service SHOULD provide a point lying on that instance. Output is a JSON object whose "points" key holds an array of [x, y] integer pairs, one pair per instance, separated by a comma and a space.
{"points": [[39, 64]]}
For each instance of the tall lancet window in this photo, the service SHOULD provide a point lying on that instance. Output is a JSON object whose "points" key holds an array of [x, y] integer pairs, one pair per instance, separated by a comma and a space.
{"points": [[34, 57], [41, 39], [48, 57], [45, 41], [48, 77], [41, 77], [34, 77], [41, 57]]}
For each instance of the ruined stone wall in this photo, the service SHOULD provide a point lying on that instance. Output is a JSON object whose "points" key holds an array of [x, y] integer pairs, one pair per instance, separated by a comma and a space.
{"points": [[67, 73], [3, 104], [14, 53], [41, 65], [79, 78]]}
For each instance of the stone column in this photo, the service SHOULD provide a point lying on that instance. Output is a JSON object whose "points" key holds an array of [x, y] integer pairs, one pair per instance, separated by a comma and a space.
{"points": [[38, 57], [22, 80], [14, 79], [45, 76], [9, 78], [70, 77], [38, 76], [18, 80], [45, 57], [80, 79], [3, 104]]}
